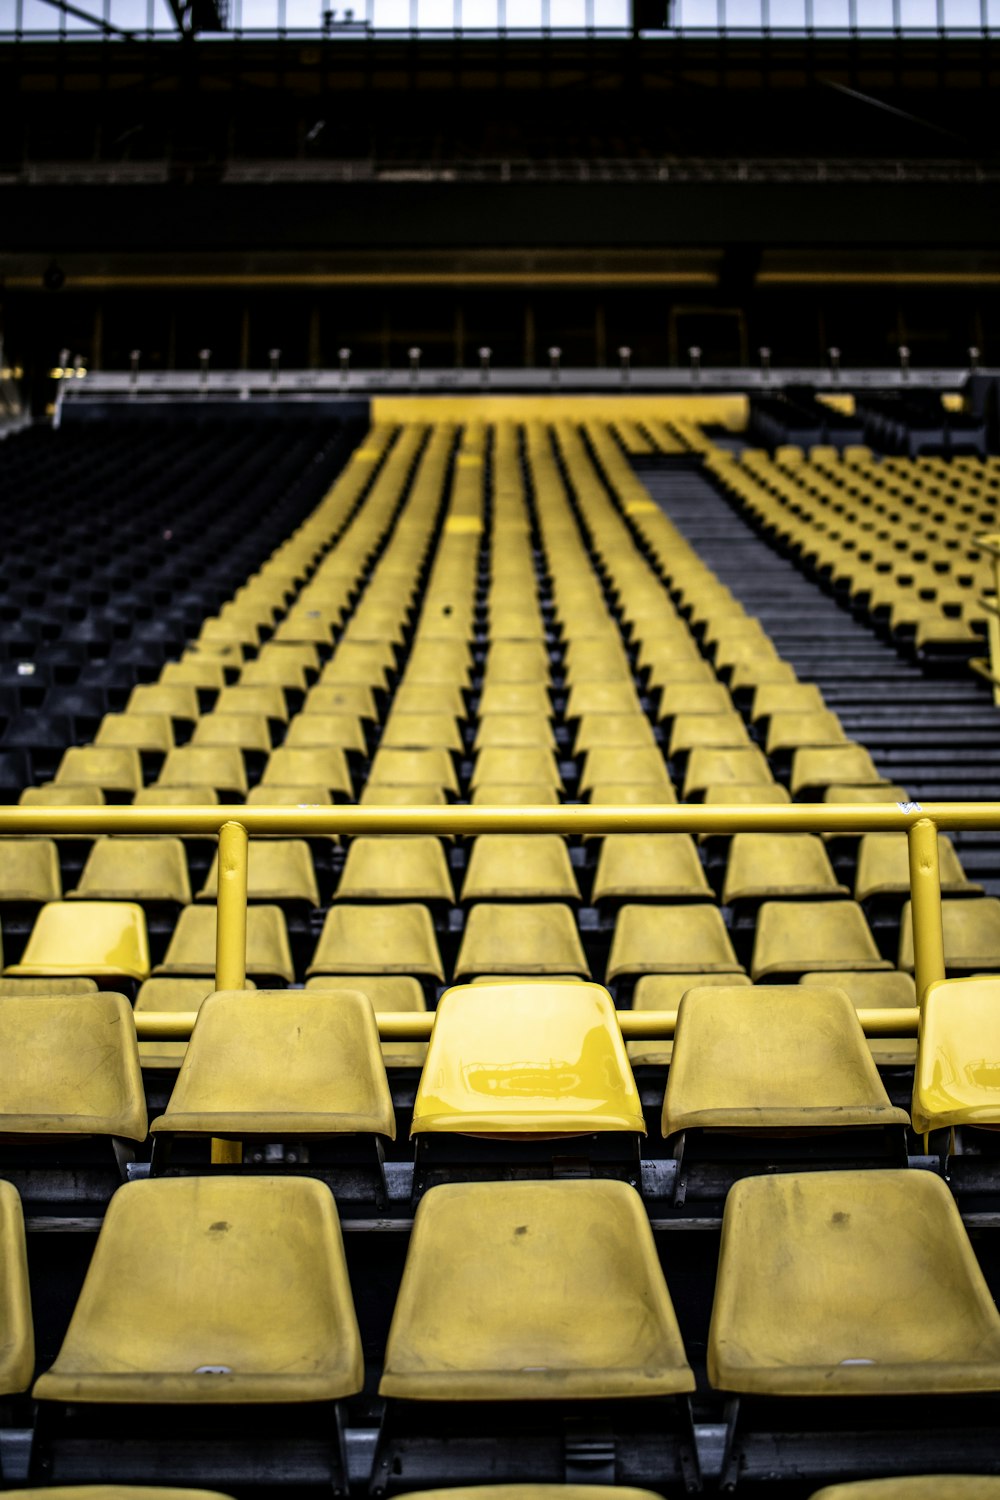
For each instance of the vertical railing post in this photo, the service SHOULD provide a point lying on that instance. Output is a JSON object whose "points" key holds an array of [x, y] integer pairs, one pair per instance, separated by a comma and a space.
{"points": [[231, 940], [925, 899]]}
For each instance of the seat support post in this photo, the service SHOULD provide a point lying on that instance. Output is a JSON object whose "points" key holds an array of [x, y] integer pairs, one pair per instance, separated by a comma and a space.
{"points": [[925, 894], [231, 940]]}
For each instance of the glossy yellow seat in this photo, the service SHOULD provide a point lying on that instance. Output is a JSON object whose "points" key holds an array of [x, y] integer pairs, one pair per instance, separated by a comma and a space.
{"points": [[621, 767], [426, 731], [514, 731], [145, 1331], [149, 732], [279, 1063], [17, 1335], [218, 766], [387, 993], [266, 701], [613, 731], [664, 992], [171, 996], [533, 1291], [96, 939], [671, 940], [113, 769], [540, 1058], [191, 949], [514, 794], [813, 770], [762, 866], [707, 768], [796, 937], [175, 700], [277, 870], [519, 867], [712, 731], [971, 934], [135, 869], [650, 867], [522, 938], [69, 1065], [883, 868], [29, 871], [389, 939], [781, 1057], [850, 1283], [396, 869], [956, 1078], [317, 767], [916, 1487], [432, 767], [245, 731], [534, 766]]}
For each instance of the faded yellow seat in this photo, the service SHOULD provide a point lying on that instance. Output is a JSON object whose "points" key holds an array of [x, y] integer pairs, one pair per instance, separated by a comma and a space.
{"points": [[113, 769], [850, 1283], [29, 871], [50, 795], [245, 731], [219, 766], [433, 767], [202, 672], [762, 866], [514, 794], [781, 1057], [141, 1333], [96, 939], [916, 1487], [664, 992], [150, 732], [791, 731], [522, 938], [517, 661], [514, 731], [956, 1078], [176, 700], [176, 796], [798, 937], [276, 1062], [693, 698], [749, 674], [634, 794], [671, 940], [530, 766], [266, 701], [533, 1291], [591, 698], [707, 767], [669, 668], [339, 731], [613, 731], [387, 993], [402, 796], [173, 995], [813, 770], [290, 796], [281, 666], [135, 869], [640, 767], [396, 869], [971, 934], [519, 867], [277, 870], [426, 731], [342, 698], [316, 767], [884, 868], [883, 791], [690, 731], [769, 794], [421, 698], [17, 1335], [389, 939], [192, 946], [786, 698], [540, 1058], [650, 867], [69, 1065], [47, 987]]}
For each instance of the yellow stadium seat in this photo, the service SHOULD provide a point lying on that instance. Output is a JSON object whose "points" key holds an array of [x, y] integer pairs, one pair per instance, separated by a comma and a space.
{"points": [[850, 1283], [650, 867], [525, 1060], [277, 870], [135, 869], [426, 731], [69, 1065], [634, 794], [192, 947], [640, 767], [96, 939], [522, 938], [513, 794], [798, 937], [245, 731], [708, 767], [402, 796], [201, 672], [50, 795], [955, 1080], [342, 698], [377, 939], [534, 766], [701, 699], [387, 992], [17, 1336], [142, 732], [791, 731], [425, 698], [916, 1487], [313, 731], [172, 995], [883, 868], [316, 767], [396, 869], [748, 675], [267, 701], [433, 767], [691, 731], [176, 796], [142, 1334], [514, 731], [971, 935], [813, 770], [664, 992], [670, 940], [767, 794], [519, 867], [786, 698], [763, 866], [610, 731], [178, 701], [117, 769], [283, 666], [591, 698], [279, 1063], [218, 766], [517, 661], [29, 871], [47, 987]]}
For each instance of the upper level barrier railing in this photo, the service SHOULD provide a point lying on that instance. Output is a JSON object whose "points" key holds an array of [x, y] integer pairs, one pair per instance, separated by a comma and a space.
{"points": [[234, 825]]}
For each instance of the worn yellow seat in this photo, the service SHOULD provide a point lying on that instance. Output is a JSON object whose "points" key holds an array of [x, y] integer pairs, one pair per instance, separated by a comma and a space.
{"points": [[316, 767], [956, 1078], [431, 767], [916, 1487], [699, 699], [883, 868], [712, 731], [176, 796], [176, 700], [613, 731], [277, 870], [265, 701], [112, 768], [396, 869], [387, 993], [420, 698], [424, 731], [218, 766], [342, 698], [29, 871], [650, 867], [621, 767], [17, 1335], [402, 796], [781, 1057], [142, 1333], [276, 1062], [245, 731], [290, 796], [191, 949], [791, 731], [64, 986], [534, 765], [149, 732], [749, 674], [514, 794], [850, 1283], [325, 731], [96, 939], [664, 992], [69, 1065], [671, 940], [971, 934], [281, 667], [389, 939], [202, 672], [769, 794], [533, 1291], [762, 866], [135, 869], [813, 770], [798, 937], [171, 996], [519, 867], [514, 731], [522, 938], [591, 698], [517, 661], [526, 1060], [634, 794], [708, 767], [786, 698], [50, 795], [669, 668]]}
